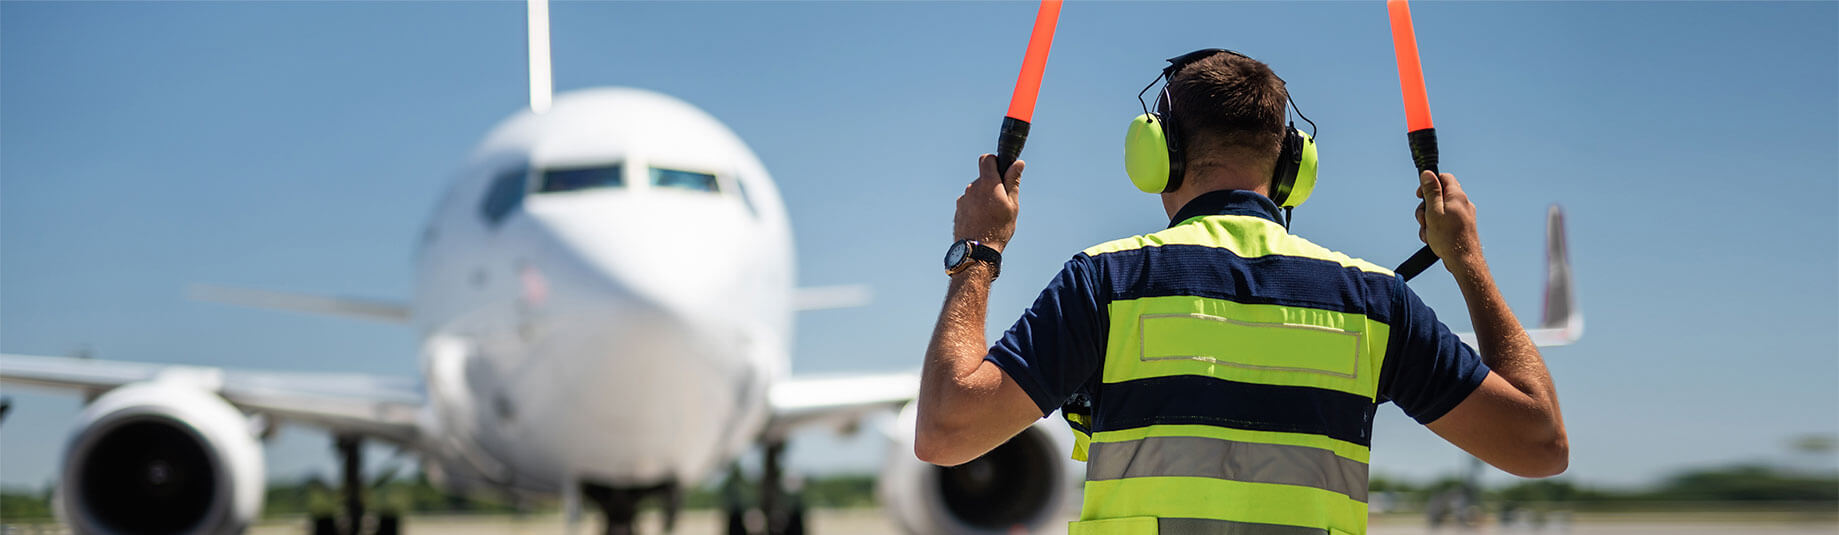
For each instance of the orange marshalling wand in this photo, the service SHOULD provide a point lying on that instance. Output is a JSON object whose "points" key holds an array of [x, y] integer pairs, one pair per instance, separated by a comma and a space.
{"points": [[1027, 86], [1410, 72], [1419, 132]]}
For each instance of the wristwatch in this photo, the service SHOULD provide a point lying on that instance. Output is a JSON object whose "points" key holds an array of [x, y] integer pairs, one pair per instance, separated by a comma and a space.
{"points": [[962, 252]]}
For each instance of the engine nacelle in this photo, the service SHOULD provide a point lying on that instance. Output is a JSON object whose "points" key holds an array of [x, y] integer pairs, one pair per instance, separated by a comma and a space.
{"points": [[1021, 485], [161, 457]]}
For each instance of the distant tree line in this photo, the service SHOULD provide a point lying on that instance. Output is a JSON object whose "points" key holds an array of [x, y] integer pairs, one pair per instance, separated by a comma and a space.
{"points": [[1737, 484]]}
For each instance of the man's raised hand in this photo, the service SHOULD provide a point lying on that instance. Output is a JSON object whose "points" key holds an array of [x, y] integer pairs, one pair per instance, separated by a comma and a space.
{"points": [[988, 208], [1446, 221]]}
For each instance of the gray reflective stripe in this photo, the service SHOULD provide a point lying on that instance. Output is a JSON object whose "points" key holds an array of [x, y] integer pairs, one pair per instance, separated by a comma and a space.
{"points": [[1208, 526], [1226, 459]]}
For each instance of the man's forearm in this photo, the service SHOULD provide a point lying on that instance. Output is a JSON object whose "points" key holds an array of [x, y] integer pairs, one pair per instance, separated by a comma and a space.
{"points": [[958, 344], [1505, 346]]}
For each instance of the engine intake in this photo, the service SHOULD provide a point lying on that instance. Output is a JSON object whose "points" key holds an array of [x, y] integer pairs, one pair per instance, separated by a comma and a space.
{"points": [[161, 457], [148, 474], [1020, 485]]}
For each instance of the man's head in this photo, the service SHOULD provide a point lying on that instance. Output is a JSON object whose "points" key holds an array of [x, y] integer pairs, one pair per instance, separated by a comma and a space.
{"points": [[1229, 111]]}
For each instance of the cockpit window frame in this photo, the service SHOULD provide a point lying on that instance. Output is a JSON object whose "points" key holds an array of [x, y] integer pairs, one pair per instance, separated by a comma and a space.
{"points": [[621, 171], [715, 179], [500, 199], [741, 194]]}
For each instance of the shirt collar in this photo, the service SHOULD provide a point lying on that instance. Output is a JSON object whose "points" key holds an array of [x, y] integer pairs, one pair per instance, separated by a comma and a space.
{"points": [[1228, 202]]}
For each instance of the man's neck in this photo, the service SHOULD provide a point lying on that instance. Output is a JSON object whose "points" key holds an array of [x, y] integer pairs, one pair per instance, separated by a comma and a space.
{"points": [[1208, 179]]}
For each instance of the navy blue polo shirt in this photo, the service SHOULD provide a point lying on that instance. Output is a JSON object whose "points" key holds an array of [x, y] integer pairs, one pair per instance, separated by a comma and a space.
{"points": [[1057, 347]]}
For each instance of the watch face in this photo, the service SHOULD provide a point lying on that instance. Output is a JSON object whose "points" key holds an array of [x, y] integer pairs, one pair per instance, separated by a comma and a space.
{"points": [[955, 255]]}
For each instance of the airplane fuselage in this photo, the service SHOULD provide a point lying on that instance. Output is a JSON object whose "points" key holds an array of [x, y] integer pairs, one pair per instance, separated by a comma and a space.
{"points": [[605, 297]]}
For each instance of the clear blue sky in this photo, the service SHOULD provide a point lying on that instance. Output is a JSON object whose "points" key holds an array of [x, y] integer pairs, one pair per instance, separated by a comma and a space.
{"points": [[299, 146]]}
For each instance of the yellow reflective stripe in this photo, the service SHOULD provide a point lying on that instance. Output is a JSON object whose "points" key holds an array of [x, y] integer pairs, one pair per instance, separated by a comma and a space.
{"points": [[1142, 525], [1342, 448], [1081, 438], [1239, 501], [1246, 236], [1208, 526], [1149, 525], [1253, 343]]}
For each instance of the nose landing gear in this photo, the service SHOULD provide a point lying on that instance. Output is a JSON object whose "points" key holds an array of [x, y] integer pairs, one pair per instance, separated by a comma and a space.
{"points": [[621, 505], [352, 521], [782, 511]]}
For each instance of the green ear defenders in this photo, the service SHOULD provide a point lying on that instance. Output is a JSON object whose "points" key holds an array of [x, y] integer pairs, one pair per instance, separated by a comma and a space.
{"points": [[1153, 152]]}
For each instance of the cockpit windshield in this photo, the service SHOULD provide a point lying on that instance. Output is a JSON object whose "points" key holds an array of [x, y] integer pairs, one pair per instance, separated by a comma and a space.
{"points": [[686, 180], [581, 178]]}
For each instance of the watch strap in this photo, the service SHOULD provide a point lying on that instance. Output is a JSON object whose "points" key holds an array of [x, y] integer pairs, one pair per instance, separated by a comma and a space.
{"points": [[987, 255]]}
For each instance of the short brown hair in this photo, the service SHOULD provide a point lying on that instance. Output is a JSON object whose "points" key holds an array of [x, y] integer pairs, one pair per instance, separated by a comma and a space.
{"points": [[1228, 107]]}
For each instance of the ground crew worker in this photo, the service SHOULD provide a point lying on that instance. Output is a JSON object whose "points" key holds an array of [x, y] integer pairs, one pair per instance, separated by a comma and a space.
{"points": [[1232, 369]]}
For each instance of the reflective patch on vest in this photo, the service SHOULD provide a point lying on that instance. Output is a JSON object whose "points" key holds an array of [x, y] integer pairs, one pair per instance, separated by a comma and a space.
{"points": [[1249, 343], [1305, 348], [1231, 460]]}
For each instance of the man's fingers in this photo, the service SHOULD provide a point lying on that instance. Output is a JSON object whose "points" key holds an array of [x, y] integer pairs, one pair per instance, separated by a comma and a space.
{"points": [[1013, 180], [986, 167], [1432, 191], [1420, 214], [1451, 188]]}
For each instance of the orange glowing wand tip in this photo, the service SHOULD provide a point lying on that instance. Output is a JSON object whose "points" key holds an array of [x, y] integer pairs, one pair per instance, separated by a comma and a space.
{"points": [[1410, 71], [1014, 131]]}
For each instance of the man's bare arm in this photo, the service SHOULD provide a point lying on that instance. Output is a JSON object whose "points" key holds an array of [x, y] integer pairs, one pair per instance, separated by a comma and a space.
{"points": [[1512, 420], [968, 406]]}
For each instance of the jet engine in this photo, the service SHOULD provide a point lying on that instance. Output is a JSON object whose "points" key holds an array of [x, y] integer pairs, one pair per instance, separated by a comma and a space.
{"points": [[161, 457], [1020, 487]]}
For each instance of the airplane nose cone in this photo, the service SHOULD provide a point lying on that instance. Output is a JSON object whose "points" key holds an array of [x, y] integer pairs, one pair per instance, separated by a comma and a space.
{"points": [[667, 300], [644, 394], [685, 253]]}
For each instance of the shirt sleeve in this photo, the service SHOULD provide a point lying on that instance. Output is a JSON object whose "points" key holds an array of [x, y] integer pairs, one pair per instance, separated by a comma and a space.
{"points": [[1428, 371], [1058, 343]]}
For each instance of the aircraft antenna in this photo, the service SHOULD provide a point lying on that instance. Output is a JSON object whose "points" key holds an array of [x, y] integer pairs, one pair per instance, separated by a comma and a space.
{"points": [[541, 84]]}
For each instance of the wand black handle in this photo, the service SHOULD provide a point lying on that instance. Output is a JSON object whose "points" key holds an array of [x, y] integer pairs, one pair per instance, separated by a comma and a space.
{"points": [[1424, 155], [1009, 144]]}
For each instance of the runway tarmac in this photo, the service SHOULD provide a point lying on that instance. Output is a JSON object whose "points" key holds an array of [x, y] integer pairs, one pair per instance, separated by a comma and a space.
{"points": [[873, 522]]}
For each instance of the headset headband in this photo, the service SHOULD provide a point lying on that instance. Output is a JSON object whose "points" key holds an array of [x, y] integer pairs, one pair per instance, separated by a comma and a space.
{"points": [[1177, 62]]}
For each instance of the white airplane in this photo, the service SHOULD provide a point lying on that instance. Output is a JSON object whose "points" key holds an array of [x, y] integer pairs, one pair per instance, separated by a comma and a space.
{"points": [[605, 301]]}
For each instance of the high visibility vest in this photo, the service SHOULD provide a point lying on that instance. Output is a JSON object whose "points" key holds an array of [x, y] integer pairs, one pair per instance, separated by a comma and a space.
{"points": [[1241, 403]]}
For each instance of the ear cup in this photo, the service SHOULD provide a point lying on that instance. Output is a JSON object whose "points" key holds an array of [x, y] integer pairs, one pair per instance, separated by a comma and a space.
{"points": [[1293, 178], [1146, 154], [1304, 183]]}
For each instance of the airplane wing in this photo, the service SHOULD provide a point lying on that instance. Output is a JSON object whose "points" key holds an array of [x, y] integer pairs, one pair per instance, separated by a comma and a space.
{"points": [[350, 307], [838, 401], [829, 297], [379, 407], [1561, 323]]}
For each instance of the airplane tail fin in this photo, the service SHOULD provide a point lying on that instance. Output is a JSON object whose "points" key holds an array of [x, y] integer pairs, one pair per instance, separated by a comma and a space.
{"points": [[366, 309], [1562, 323], [541, 83]]}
